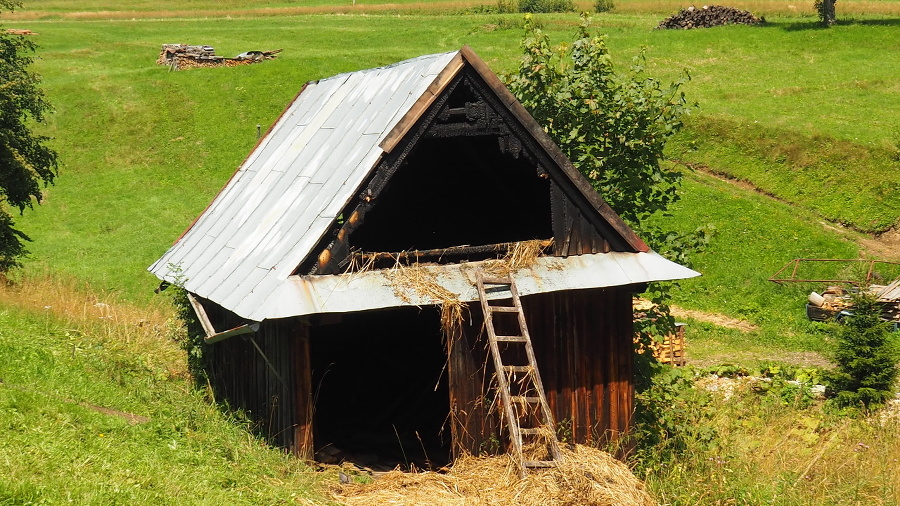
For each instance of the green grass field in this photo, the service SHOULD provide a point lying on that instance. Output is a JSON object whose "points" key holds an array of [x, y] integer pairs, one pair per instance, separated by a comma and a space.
{"points": [[808, 116]]}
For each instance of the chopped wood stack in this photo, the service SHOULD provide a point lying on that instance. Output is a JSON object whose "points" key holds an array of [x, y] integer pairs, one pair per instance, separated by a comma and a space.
{"points": [[182, 56], [19, 31], [709, 16]]}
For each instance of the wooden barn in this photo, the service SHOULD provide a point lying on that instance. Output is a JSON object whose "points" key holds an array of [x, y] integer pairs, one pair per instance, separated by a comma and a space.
{"points": [[340, 272]]}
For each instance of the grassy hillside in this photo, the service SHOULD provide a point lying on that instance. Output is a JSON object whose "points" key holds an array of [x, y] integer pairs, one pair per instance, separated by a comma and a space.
{"points": [[804, 114], [96, 408], [144, 149]]}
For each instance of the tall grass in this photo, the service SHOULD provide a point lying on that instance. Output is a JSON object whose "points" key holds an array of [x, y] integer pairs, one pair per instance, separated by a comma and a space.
{"points": [[96, 408], [774, 444]]}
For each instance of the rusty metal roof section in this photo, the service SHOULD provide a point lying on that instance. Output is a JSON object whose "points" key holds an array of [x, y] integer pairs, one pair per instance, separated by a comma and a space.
{"points": [[243, 251]]}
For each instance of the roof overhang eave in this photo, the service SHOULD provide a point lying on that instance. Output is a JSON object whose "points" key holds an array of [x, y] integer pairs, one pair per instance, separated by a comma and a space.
{"points": [[377, 289]]}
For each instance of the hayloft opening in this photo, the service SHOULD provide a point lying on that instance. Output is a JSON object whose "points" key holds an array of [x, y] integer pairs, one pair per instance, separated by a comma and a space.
{"points": [[380, 386], [459, 191]]}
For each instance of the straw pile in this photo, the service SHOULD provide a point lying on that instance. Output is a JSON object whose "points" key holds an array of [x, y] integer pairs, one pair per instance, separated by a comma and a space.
{"points": [[585, 477]]}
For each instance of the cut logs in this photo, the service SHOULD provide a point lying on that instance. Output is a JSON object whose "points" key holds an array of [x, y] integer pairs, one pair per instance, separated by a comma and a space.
{"points": [[19, 31], [182, 56], [709, 16]]}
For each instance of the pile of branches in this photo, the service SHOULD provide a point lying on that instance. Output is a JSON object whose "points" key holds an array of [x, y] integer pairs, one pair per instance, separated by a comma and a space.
{"points": [[709, 16], [181, 56]]}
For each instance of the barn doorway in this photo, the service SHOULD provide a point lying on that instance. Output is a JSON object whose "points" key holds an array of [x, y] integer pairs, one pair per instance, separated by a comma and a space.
{"points": [[380, 389]]}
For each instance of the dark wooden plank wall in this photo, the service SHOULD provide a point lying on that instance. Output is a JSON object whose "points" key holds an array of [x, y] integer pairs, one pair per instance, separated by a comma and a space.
{"points": [[272, 384], [573, 233], [584, 346], [583, 343]]}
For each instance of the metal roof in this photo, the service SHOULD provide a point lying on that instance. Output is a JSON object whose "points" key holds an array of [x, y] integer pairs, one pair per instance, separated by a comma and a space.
{"points": [[289, 190], [375, 289], [241, 252]]}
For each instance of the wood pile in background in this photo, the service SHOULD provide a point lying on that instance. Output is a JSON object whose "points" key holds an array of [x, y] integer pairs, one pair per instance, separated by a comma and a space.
{"points": [[709, 16], [19, 31], [182, 56]]}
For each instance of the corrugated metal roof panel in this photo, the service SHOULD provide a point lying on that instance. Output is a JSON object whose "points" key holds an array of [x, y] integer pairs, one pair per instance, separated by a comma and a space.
{"points": [[287, 192], [301, 295]]}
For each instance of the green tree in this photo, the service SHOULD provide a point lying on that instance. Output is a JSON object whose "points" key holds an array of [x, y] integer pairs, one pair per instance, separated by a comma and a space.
{"points": [[25, 160], [865, 356], [613, 126]]}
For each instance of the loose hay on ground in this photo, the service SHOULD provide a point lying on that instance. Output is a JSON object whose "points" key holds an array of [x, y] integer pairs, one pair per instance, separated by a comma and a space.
{"points": [[585, 477]]}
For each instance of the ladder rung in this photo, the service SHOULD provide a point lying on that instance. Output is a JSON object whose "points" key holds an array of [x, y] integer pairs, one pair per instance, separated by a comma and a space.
{"points": [[532, 431], [496, 281], [525, 399], [540, 463], [517, 368], [504, 309], [512, 339]]}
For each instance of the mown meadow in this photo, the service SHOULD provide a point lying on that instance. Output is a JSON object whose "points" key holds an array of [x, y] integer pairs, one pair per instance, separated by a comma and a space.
{"points": [[792, 152]]}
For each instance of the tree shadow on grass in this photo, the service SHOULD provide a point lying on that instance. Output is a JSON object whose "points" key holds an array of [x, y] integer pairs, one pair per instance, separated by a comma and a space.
{"points": [[815, 24]]}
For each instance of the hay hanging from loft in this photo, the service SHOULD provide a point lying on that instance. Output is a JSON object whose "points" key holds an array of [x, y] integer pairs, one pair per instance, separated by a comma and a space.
{"points": [[586, 477], [413, 281], [520, 255]]}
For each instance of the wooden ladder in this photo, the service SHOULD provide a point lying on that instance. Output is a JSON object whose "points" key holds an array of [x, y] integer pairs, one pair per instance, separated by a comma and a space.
{"points": [[526, 411]]}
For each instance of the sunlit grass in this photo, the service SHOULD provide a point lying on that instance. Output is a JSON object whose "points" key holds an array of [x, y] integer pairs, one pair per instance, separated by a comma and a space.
{"points": [[779, 449], [96, 408]]}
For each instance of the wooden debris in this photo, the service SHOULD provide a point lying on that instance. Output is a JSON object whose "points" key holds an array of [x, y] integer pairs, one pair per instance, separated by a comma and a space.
{"points": [[19, 31], [182, 56], [709, 16]]}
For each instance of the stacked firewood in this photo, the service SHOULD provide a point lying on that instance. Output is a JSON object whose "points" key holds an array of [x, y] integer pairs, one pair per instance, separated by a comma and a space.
{"points": [[709, 16], [19, 31], [182, 56]]}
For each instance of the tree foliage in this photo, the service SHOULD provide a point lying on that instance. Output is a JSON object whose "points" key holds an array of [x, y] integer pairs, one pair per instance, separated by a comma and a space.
{"points": [[25, 160], [865, 356], [612, 126]]}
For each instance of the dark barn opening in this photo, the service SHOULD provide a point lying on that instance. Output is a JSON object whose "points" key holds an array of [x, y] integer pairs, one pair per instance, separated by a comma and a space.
{"points": [[458, 191], [380, 388]]}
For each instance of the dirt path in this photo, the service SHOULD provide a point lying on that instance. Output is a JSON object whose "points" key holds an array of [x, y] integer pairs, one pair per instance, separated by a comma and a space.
{"points": [[714, 318]]}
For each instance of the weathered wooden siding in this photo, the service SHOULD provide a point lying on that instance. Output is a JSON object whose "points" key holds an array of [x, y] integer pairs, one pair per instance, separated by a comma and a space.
{"points": [[268, 375], [583, 343]]}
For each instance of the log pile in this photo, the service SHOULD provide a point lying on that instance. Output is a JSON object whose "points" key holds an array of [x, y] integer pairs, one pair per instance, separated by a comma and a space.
{"points": [[182, 56], [709, 16]]}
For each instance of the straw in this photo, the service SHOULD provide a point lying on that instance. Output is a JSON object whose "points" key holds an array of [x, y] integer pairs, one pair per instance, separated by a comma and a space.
{"points": [[585, 477]]}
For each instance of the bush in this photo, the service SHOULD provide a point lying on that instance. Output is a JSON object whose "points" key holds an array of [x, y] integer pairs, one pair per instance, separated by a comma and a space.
{"points": [[604, 5], [544, 6]]}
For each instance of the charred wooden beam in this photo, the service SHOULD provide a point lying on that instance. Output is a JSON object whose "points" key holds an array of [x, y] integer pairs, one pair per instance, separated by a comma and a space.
{"points": [[466, 130], [455, 251]]}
